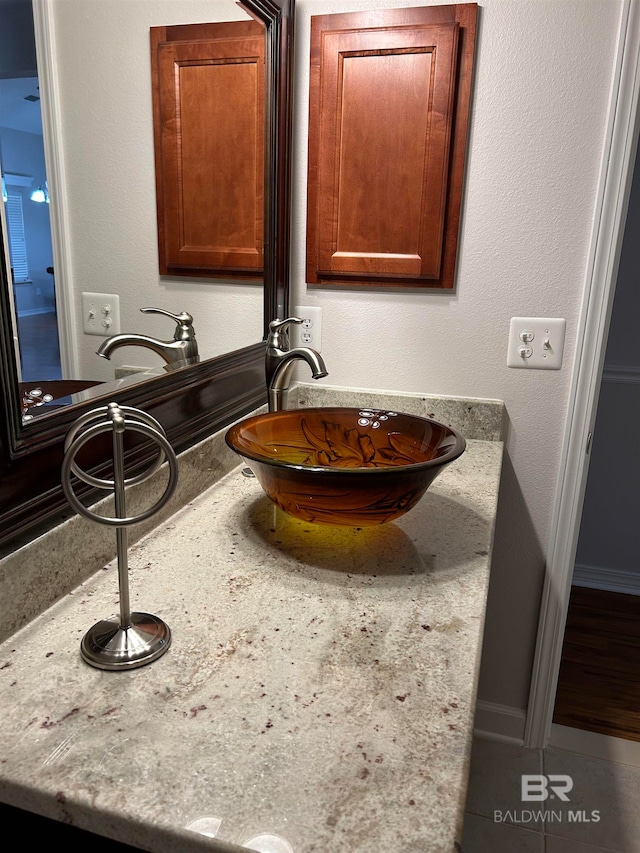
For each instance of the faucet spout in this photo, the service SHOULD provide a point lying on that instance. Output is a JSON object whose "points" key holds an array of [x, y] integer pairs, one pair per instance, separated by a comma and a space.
{"points": [[281, 373], [173, 352], [182, 350]]}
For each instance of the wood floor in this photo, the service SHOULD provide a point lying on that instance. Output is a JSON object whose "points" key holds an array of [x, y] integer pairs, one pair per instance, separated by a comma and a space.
{"points": [[39, 347], [599, 683]]}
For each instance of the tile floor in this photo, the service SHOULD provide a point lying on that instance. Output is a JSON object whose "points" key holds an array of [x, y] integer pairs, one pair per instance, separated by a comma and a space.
{"points": [[611, 790]]}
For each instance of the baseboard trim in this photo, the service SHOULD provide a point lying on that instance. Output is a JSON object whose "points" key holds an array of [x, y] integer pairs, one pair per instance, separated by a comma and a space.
{"points": [[626, 373], [610, 580], [594, 745], [499, 723], [31, 312]]}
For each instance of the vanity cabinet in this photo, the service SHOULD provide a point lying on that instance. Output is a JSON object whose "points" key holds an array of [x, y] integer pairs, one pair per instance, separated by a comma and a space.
{"points": [[208, 83], [389, 103]]}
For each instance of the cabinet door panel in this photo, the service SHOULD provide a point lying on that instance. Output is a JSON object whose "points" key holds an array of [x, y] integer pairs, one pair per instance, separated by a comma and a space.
{"points": [[385, 152], [388, 116], [210, 154]]}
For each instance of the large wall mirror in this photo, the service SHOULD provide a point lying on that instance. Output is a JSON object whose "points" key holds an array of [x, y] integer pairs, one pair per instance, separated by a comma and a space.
{"points": [[105, 219]]}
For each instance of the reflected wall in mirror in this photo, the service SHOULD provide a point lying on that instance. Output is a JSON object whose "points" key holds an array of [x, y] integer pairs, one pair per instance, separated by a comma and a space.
{"points": [[95, 78], [109, 242]]}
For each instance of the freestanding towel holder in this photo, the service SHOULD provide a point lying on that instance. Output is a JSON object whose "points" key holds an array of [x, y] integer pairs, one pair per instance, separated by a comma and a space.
{"points": [[135, 639]]}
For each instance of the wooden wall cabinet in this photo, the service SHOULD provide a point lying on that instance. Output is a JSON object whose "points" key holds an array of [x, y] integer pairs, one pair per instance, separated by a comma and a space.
{"points": [[208, 83], [389, 103]]}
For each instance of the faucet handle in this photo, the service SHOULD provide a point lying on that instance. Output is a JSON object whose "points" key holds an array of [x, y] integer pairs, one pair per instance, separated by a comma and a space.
{"points": [[278, 336], [184, 321], [277, 324]]}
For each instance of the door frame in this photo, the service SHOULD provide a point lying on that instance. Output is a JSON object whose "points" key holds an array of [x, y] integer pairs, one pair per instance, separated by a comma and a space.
{"points": [[621, 141], [44, 31]]}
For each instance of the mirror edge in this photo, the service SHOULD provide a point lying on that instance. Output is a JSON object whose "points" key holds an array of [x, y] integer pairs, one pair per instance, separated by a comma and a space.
{"points": [[279, 74], [190, 403]]}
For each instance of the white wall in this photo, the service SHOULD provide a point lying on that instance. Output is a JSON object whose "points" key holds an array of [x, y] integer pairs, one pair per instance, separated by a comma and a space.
{"points": [[541, 98], [104, 75]]}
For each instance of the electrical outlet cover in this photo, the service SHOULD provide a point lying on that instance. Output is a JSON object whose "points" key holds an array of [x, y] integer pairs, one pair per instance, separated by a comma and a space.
{"points": [[309, 332]]}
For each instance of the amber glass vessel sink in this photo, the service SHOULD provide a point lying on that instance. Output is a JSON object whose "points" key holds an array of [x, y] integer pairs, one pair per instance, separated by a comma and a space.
{"points": [[345, 466]]}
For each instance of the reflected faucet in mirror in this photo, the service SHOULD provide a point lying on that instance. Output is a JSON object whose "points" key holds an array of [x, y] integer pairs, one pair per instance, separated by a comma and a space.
{"points": [[280, 360], [180, 352]]}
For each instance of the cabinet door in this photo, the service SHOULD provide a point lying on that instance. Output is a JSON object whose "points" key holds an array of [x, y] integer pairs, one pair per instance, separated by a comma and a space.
{"points": [[385, 128], [208, 91]]}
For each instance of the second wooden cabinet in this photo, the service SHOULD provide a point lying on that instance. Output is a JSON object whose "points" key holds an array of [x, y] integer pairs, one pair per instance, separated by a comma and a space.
{"points": [[389, 97]]}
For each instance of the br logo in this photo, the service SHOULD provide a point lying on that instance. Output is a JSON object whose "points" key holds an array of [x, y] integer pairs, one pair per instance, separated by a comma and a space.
{"points": [[538, 787]]}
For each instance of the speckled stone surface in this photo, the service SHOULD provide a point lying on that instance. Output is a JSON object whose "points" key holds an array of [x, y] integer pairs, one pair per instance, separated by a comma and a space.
{"points": [[40, 571], [319, 689], [473, 418]]}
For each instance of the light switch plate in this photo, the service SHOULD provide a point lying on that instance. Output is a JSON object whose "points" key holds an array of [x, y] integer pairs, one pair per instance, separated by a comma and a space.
{"points": [[536, 343]]}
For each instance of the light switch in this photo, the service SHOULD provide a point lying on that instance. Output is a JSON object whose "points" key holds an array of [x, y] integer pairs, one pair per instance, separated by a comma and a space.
{"points": [[536, 343]]}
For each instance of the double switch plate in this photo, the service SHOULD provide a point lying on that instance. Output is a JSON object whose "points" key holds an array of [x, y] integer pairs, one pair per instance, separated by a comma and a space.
{"points": [[536, 343]]}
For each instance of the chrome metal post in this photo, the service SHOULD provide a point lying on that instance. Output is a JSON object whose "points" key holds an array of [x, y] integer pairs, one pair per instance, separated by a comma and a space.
{"points": [[134, 639], [122, 537]]}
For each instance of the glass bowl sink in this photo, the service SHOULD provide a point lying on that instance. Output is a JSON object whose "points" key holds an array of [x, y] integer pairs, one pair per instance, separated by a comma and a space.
{"points": [[344, 466]]}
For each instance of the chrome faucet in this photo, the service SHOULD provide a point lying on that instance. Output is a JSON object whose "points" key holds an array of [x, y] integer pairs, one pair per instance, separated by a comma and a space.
{"points": [[183, 349], [280, 361]]}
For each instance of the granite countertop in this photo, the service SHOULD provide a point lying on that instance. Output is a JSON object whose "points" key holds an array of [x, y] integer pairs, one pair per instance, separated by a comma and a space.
{"points": [[319, 690]]}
